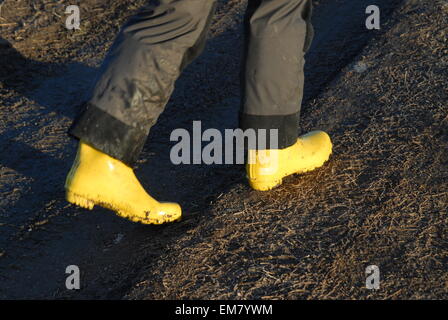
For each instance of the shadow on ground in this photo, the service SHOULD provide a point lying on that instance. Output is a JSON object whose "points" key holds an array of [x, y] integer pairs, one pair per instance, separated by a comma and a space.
{"points": [[205, 92]]}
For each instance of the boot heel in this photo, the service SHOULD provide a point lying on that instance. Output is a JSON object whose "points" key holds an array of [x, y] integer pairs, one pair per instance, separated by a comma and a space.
{"points": [[79, 200], [265, 185]]}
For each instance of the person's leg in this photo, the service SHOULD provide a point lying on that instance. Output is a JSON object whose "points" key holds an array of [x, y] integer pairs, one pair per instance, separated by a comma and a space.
{"points": [[278, 33], [136, 80], [137, 77]]}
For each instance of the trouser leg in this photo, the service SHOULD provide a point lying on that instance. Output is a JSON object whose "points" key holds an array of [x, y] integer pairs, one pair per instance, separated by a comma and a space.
{"points": [[278, 33], [138, 74]]}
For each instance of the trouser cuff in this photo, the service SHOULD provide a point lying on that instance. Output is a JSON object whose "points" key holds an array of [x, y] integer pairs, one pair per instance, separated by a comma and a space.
{"points": [[287, 126], [106, 133]]}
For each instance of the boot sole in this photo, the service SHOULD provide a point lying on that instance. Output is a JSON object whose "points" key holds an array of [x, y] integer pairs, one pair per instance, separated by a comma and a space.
{"points": [[88, 203], [266, 185]]}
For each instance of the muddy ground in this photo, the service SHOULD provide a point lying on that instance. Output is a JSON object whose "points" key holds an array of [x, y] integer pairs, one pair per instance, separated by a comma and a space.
{"points": [[381, 200]]}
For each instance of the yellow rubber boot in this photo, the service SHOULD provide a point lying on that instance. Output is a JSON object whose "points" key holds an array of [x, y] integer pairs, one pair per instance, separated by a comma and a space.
{"points": [[98, 179], [266, 168]]}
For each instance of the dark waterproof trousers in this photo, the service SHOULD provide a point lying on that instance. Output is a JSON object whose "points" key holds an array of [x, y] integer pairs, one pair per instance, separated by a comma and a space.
{"points": [[138, 74]]}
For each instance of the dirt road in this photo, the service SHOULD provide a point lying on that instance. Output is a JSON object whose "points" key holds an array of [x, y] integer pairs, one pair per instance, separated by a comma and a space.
{"points": [[382, 199]]}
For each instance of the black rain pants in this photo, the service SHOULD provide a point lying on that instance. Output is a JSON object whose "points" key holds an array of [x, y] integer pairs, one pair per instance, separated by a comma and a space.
{"points": [[138, 74]]}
